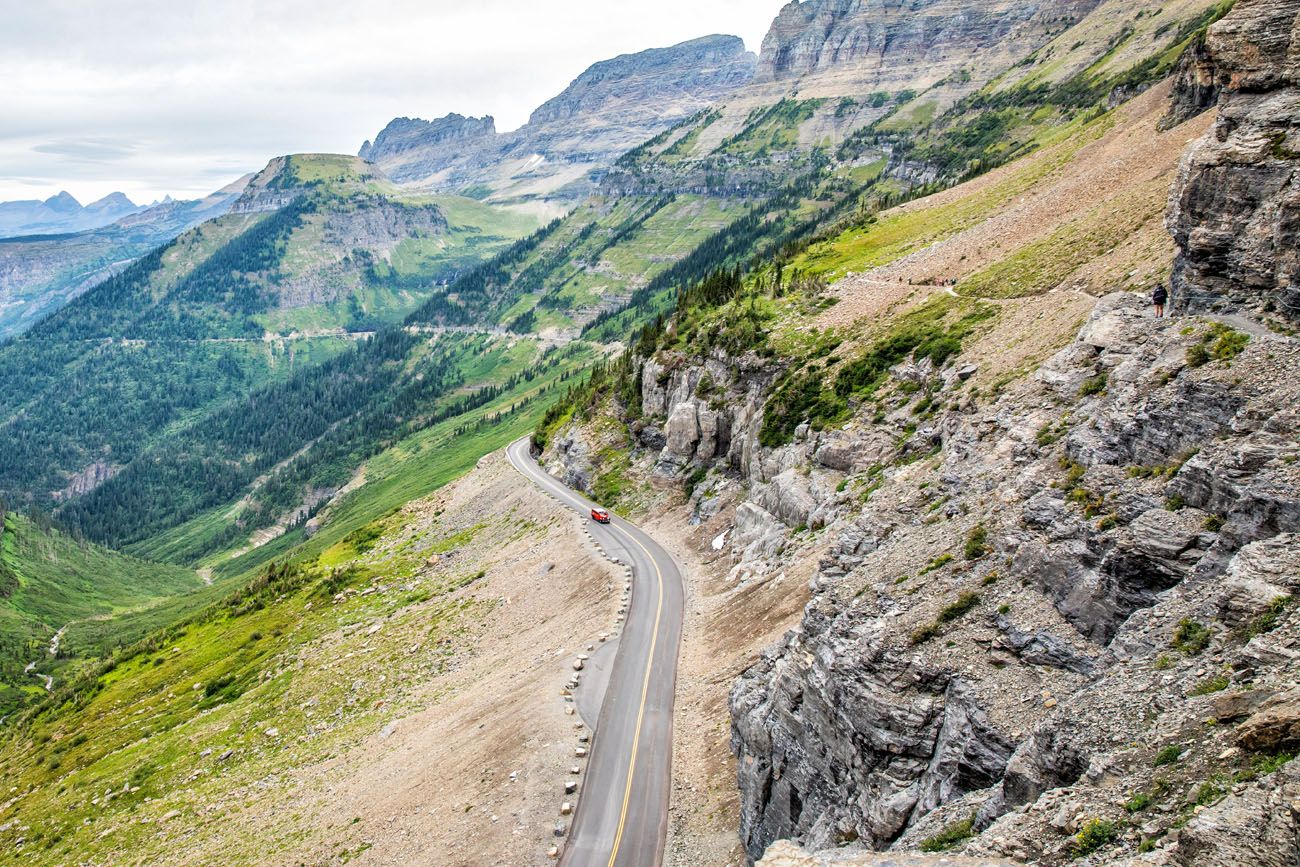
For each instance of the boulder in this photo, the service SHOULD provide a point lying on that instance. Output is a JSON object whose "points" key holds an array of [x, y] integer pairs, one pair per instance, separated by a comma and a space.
{"points": [[682, 432], [1274, 727], [788, 497]]}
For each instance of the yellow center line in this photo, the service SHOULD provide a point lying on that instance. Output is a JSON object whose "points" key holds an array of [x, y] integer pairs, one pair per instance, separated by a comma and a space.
{"points": [[645, 689]]}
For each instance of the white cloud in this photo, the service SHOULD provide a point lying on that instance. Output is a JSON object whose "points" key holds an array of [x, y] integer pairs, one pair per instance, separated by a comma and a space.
{"points": [[153, 97]]}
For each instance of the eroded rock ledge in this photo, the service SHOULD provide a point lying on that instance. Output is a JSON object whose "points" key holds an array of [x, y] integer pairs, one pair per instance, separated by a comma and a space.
{"points": [[1235, 212]]}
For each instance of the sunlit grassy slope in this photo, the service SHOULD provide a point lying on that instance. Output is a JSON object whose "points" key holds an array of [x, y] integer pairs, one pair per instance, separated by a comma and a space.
{"points": [[48, 580], [286, 671]]}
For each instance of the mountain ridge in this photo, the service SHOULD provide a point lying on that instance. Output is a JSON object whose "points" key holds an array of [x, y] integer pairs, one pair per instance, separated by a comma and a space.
{"points": [[41, 273], [877, 367], [62, 213], [607, 109]]}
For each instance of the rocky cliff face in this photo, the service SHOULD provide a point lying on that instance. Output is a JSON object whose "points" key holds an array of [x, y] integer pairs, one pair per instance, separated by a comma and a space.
{"points": [[1019, 570], [1054, 622], [638, 87], [373, 226], [906, 43], [1236, 212], [1196, 86], [610, 108], [423, 148], [880, 722], [407, 133]]}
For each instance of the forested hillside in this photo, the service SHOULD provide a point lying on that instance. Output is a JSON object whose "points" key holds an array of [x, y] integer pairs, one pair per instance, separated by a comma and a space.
{"points": [[233, 305], [41, 273]]}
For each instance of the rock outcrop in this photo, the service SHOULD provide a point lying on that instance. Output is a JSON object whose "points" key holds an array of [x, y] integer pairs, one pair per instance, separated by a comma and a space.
{"points": [[411, 147], [786, 854], [1236, 212], [860, 727], [890, 45], [1196, 86]]}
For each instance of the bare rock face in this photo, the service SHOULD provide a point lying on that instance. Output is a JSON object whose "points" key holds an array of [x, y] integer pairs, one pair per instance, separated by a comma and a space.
{"points": [[702, 69], [375, 225], [1196, 86], [1235, 210], [786, 854], [875, 724], [608, 109], [895, 737], [411, 146], [1256, 828], [406, 133], [1275, 726], [888, 41]]}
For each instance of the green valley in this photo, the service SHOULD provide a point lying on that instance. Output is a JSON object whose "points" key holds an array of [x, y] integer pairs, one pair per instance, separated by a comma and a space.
{"points": [[52, 586]]}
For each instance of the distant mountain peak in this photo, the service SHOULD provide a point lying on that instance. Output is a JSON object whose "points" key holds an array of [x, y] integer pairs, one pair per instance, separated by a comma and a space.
{"points": [[64, 202], [701, 68], [876, 45], [611, 107], [62, 213], [405, 133], [116, 202]]}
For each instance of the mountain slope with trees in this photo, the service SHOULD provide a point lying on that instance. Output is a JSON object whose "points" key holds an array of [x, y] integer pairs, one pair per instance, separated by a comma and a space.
{"points": [[751, 335]]}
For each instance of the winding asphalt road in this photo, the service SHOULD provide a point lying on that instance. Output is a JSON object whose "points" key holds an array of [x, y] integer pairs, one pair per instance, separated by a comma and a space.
{"points": [[622, 818]]}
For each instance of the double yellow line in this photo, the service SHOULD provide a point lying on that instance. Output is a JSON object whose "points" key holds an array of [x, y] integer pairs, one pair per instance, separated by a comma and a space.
{"points": [[645, 689]]}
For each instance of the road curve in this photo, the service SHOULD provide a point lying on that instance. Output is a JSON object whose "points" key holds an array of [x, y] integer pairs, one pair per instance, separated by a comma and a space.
{"points": [[622, 817]]}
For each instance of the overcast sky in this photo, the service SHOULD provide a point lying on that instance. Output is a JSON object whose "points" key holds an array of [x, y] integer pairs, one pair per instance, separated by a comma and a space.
{"points": [[155, 97]]}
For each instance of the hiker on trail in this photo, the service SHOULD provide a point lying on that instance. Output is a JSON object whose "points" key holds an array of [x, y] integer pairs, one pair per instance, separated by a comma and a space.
{"points": [[1158, 298]]}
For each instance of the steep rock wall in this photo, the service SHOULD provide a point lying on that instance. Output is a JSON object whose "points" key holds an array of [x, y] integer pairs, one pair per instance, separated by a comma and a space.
{"points": [[1236, 212], [608, 109], [934, 679], [889, 41]]}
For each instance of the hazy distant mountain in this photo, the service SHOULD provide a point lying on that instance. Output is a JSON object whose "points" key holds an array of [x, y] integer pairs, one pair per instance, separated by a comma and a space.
{"points": [[610, 108], [42, 271], [62, 213]]}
